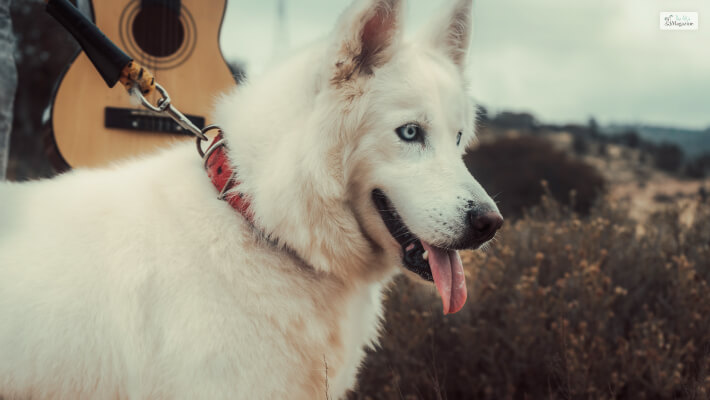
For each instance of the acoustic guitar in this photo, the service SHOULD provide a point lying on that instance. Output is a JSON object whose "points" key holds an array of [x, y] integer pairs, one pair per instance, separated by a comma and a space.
{"points": [[178, 40]]}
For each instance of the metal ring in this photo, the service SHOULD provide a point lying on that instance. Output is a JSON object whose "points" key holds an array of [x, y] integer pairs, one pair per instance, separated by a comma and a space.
{"points": [[210, 128], [223, 193], [198, 142], [204, 138]]}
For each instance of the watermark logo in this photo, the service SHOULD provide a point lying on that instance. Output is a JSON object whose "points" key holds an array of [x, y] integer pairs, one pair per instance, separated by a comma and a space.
{"points": [[679, 21]]}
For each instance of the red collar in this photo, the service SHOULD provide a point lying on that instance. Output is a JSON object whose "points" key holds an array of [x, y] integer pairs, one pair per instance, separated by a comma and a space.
{"points": [[224, 178]]}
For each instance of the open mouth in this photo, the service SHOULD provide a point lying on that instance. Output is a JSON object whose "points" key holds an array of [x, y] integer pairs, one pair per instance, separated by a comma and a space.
{"points": [[432, 263]]}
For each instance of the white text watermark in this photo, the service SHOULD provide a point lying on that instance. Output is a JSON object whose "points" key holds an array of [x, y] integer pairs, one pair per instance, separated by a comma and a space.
{"points": [[679, 21]]}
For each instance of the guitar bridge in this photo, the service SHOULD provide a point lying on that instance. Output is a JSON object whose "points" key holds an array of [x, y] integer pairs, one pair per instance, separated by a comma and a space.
{"points": [[146, 121]]}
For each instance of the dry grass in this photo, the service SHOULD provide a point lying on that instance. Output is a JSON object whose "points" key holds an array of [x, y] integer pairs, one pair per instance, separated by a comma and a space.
{"points": [[562, 307]]}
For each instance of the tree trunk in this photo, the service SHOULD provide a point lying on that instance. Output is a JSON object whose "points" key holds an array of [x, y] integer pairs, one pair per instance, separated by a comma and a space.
{"points": [[8, 83]]}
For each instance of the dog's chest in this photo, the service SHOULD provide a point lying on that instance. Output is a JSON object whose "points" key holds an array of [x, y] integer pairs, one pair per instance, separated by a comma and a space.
{"points": [[358, 328]]}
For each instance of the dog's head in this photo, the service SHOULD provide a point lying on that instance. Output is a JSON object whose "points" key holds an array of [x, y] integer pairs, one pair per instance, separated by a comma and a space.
{"points": [[351, 152], [410, 119]]}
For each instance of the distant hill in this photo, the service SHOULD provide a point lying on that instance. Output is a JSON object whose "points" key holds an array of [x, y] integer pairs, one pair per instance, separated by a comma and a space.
{"points": [[693, 142]]}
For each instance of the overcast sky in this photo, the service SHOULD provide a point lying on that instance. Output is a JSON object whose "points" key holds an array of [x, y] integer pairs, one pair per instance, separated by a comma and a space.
{"points": [[563, 60]]}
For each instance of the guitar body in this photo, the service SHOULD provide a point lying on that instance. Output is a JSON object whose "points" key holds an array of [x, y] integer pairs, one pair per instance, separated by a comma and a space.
{"points": [[179, 42]]}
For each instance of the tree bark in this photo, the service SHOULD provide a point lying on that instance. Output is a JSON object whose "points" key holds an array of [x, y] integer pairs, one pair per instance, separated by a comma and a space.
{"points": [[8, 83]]}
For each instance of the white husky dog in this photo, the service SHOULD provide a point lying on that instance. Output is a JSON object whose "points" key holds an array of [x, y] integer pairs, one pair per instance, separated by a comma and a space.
{"points": [[137, 282]]}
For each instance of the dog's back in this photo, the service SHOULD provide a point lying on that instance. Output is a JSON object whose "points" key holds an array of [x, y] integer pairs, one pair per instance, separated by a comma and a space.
{"points": [[137, 282]]}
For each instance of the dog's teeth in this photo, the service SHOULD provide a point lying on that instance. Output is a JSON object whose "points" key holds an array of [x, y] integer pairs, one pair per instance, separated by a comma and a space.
{"points": [[425, 255]]}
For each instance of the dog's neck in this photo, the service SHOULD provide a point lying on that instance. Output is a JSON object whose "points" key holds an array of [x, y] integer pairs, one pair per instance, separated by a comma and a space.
{"points": [[290, 163]]}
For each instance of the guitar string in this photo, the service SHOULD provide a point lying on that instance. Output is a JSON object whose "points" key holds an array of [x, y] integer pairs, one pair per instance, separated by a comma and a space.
{"points": [[172, 34], [147, 39], [161, 24], [159, 33], [156, 6], [168, 13], [165, 16], [169, 10]]}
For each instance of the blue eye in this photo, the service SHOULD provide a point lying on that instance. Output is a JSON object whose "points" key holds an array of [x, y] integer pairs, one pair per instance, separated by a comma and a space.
{"points": [[409, 132]]}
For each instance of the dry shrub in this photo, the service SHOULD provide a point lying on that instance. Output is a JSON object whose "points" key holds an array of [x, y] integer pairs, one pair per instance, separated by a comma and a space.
{"points": [[512, 168], [562, 307]]}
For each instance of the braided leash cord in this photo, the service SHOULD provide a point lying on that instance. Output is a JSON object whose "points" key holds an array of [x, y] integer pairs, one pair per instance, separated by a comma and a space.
{"points": [[134, 74]]}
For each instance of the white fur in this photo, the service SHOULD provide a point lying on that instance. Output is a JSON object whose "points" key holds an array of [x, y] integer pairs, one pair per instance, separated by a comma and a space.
{"points": [[135, 282]]}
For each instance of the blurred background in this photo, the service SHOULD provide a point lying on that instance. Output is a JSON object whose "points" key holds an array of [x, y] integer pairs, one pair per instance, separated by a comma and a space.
{"points": [[594, 136]]}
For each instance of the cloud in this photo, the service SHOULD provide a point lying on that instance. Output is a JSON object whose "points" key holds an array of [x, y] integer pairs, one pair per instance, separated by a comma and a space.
{"points": [[566, 61], [562, 60]]}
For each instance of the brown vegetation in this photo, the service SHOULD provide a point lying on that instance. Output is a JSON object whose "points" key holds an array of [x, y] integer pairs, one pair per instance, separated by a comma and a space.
{"points": [[511, 169], [562, 307]]}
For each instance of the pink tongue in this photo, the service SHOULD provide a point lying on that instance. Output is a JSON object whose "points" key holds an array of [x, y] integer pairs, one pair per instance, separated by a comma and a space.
{"points": [[448, 275]]}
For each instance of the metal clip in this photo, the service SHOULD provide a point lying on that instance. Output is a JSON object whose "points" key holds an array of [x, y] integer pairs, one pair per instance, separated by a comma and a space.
{"points": [[165, 106]]}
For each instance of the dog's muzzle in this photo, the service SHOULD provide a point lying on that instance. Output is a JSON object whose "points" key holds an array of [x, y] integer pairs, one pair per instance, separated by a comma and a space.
{"points": [[412, 249]]}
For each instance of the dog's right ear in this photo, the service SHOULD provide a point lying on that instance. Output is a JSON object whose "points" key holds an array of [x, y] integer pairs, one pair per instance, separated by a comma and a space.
{"points": [[451, 31], [365, 37]]}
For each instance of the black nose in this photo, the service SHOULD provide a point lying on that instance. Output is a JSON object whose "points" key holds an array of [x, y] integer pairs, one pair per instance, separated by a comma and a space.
{"points": [[484, 224]]}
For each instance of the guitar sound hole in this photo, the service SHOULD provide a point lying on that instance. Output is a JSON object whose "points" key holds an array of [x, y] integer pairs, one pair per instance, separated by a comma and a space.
{"points": [[158, 30]]}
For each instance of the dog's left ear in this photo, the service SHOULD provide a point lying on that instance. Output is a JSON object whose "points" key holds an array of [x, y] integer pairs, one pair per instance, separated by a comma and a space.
{"points": [[450, 32], [365, 37]]}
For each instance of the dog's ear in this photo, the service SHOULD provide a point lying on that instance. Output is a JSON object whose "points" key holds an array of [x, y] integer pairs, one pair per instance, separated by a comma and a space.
{"points": [[365, 37], [451, 31]]}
